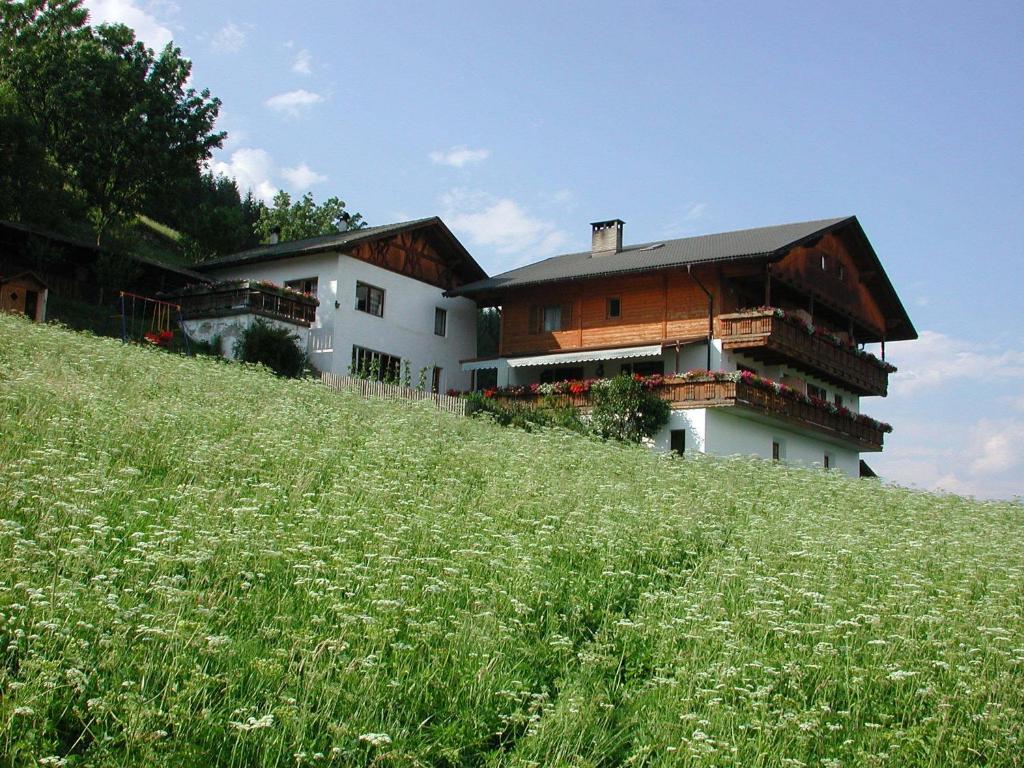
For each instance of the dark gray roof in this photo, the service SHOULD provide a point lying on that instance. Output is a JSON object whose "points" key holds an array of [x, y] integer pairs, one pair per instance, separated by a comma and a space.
{"points": [[85, 245], [725, 246], [342, 241]]}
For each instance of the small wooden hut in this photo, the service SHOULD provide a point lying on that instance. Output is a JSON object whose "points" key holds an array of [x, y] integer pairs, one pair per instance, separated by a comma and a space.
{"points": [[24, 294]]}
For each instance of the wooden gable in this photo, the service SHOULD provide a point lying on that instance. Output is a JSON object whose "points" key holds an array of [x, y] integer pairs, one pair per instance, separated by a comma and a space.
{"points": [[415, 254], [829, 271]]}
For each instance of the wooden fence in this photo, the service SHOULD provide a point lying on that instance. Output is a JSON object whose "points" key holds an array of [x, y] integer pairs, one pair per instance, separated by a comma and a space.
{"points": [[370, 388]]}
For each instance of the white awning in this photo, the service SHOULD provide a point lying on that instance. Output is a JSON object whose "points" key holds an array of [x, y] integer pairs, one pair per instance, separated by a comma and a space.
{"points": [[483, 365], [584, 356]]}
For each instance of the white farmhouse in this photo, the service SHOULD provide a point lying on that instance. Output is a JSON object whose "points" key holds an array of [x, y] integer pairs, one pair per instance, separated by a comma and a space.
{"points": [[372, 295]]}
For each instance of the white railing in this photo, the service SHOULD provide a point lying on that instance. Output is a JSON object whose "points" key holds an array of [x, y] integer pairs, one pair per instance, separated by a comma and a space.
{"points": [[371, 388]]}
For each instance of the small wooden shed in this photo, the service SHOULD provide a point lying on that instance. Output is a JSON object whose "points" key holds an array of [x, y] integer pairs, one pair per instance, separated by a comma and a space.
{"points": [[24, 294]]}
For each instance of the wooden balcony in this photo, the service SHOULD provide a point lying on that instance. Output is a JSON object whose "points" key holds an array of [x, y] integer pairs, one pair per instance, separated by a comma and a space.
{"points": [[247, 298], [717, 393], [771, 339]]}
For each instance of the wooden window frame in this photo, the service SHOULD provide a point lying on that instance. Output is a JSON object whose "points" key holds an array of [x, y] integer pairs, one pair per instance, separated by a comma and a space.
{"points": [[538, 315], [608, 308], [368, 304]]}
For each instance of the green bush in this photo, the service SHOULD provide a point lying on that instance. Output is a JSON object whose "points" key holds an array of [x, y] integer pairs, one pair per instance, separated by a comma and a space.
{"points": [[272, 346], [550, 413], [625, 410]]}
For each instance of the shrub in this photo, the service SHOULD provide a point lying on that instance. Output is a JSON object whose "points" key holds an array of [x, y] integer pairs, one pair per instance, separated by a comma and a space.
{"points": [[625, 410], [275, 347]]}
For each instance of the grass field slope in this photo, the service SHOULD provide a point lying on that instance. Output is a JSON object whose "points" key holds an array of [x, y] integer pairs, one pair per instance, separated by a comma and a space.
{"points": [[202, 565]]}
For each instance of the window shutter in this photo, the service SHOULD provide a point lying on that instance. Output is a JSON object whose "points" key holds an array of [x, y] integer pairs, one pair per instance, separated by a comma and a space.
{"points": [[566, 316]]}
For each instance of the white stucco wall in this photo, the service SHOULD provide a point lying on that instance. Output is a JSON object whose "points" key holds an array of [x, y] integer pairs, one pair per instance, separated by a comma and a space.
{"points": [[406, 330], [730, 432]]}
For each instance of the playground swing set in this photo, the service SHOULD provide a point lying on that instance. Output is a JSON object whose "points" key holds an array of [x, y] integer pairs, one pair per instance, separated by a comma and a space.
{"points": [[145, 320]]}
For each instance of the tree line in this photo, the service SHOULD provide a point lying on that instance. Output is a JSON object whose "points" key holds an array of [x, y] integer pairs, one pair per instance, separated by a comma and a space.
{"points": [[97, 131]]}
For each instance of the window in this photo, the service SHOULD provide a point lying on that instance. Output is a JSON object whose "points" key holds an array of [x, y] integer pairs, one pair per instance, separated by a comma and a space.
{"points": [[550, 318], [677, 441], [435, 382], [838, 400], [550, 375], [648, 368], [814, 391], [614, 308], [440, 321], [371, 364], [824, 262], [303, 285], [826, 461], [370, 299], [778, 449]]}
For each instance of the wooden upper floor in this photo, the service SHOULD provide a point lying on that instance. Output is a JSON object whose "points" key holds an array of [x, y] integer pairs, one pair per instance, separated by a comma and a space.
{"points": [[830, 288]]}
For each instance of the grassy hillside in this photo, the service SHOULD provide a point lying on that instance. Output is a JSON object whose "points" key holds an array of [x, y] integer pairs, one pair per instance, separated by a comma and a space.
{"points": [[205, 566]]}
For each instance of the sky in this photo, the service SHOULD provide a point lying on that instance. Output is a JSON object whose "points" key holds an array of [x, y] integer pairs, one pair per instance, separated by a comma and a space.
{"points": [[521, 123]]}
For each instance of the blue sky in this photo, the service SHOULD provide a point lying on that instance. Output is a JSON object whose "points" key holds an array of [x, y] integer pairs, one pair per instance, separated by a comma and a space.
{"points": [[521, 123]]}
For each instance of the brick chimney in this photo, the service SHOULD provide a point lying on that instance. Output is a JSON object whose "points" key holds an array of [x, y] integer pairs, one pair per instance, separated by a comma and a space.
{"points": [[607, 237]]}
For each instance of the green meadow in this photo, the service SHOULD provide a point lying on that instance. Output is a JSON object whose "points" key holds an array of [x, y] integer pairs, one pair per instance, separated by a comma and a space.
{"points": [[203, 565]]}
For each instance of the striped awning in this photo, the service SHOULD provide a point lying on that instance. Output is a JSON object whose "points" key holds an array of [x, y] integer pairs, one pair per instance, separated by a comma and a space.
{"points": [[584, 356]]}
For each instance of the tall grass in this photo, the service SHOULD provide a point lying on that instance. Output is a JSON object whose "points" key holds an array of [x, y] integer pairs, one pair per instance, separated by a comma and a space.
{"points": [[203, 565]]}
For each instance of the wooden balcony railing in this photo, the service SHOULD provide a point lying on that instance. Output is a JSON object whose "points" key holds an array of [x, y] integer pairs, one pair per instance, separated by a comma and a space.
{"points": [[714, 393], [772, 339], [216, 301]]}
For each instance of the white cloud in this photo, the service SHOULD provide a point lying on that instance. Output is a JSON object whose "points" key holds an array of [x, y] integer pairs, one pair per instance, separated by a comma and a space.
{"points": [[303, 64], [501, 224], [251, 169], [935, 359], [696, 211], [459, 157], [302, 177], [152, 32], [230, 38], [981, 457], [293, 102], [996, 446]]}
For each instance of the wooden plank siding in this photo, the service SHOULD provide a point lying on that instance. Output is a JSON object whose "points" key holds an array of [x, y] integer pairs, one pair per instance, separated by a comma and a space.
{"points": [[411, 254], [656, 307], [840, 284]]}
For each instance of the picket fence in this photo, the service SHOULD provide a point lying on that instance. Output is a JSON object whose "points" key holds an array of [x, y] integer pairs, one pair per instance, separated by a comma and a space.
{"points": [[370, 388]]}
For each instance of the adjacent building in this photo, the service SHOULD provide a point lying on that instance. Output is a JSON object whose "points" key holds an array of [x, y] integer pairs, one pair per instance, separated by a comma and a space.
{"points": [[371, 299], [756, 337]]}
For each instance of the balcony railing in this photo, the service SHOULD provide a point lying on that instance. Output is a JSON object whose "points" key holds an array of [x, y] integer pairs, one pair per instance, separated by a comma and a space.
{"points": [[767, 337], [248, 297], [731, 390]]}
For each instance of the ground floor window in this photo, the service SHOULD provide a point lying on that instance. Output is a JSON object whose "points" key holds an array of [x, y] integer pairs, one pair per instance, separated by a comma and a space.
{"points": [[371, 364], [677, 441], [646, 368], [827, 461], [550, 375], [435, 383], [778, 449]]}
